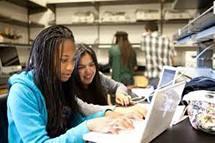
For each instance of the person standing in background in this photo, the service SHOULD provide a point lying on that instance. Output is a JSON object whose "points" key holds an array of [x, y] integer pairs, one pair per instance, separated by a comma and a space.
{"points": [[122, 59], [158, 52]]}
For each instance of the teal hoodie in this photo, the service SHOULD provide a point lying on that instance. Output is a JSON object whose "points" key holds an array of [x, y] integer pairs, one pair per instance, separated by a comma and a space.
{"points": [[27, 114]]}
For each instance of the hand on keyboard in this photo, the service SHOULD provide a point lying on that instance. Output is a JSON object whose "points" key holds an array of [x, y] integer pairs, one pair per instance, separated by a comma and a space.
{"points": [[138, 126]]}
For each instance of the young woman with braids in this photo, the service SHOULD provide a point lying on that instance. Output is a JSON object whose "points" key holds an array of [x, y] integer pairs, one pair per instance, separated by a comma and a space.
{"points": [[122, 59], [41, 104]]}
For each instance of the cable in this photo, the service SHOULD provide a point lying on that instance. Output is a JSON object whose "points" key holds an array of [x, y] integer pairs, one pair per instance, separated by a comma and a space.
{"points": [[193, 61], [181, 73]]}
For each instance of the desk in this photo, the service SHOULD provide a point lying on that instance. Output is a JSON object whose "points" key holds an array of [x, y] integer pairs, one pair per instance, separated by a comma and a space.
{"points": [[184, 133]]}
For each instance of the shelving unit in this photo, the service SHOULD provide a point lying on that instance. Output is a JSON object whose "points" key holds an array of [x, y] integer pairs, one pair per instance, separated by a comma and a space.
{"points": [[17, 45], [200, 31], [9, 20], [31, 8], [30, 5], [112, 23], [97, 6]]}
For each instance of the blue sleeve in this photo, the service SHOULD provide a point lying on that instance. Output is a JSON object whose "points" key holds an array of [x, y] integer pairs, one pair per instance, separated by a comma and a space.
{"points": [[27, 118], [99, 114]]}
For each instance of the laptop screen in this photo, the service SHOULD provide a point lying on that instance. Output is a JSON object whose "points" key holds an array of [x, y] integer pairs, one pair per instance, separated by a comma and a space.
{"points": [[9, 56], [167, 77], [9, 60]]}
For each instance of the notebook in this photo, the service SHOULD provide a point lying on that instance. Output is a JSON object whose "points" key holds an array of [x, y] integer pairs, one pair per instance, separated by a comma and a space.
{"points": [[168, 77], [158, 119]]}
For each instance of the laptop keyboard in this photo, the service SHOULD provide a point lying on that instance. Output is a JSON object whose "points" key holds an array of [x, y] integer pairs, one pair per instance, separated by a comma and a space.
{"points": [[138, 127]]}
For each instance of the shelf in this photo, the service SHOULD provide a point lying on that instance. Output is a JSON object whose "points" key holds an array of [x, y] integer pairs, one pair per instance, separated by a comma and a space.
{"points": [[80, 24], [126, 23], [199, 29], [108, 23], [36, 25], [9, 20], [185, 4], [176, 21], [109, 45], [71, 3], [172, 21], [192, 4], [206, 34], [14, 45], [30, 5], [35, 8], [53, 4]]}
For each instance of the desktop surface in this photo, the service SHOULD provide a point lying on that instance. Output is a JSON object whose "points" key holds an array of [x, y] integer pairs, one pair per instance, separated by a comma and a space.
{"points": [[183, 132]]}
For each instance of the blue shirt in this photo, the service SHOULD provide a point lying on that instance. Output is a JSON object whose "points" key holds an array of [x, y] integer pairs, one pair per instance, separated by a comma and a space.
{"points": [[27, 114]]}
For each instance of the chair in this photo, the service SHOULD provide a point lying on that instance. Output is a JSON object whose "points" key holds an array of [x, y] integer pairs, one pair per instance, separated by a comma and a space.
{"points": [[3, 119]]}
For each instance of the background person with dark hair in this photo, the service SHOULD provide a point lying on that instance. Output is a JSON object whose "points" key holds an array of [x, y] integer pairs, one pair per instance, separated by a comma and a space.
{"points": [[122, 59], [158, 52]]}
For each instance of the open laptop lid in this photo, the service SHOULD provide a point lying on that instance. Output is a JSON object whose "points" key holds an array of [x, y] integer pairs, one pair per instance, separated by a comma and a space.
{"points": [[9, 60], [158, 118], [168, 76], [163, 106]]}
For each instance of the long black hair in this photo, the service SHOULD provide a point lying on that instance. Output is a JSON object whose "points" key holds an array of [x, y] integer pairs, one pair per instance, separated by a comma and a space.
{"points": [[45, 62], [95, 93]]}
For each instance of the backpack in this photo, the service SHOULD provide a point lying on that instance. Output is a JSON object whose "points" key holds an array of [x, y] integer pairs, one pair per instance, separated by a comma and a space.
{"points": [[198, 83], [199, 96], [201, 110]]}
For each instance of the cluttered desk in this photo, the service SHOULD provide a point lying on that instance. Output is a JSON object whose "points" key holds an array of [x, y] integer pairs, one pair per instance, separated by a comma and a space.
{"points": [[158, 119], [180, 131], [156, 128]]}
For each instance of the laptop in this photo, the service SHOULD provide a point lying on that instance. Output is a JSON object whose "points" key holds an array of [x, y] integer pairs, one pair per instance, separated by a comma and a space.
{"points": [[9, 60], [168, 77], [158, 119]]}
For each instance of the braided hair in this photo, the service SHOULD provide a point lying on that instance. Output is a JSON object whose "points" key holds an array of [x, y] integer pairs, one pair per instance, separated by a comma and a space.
{"points": [[44, 61]]}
